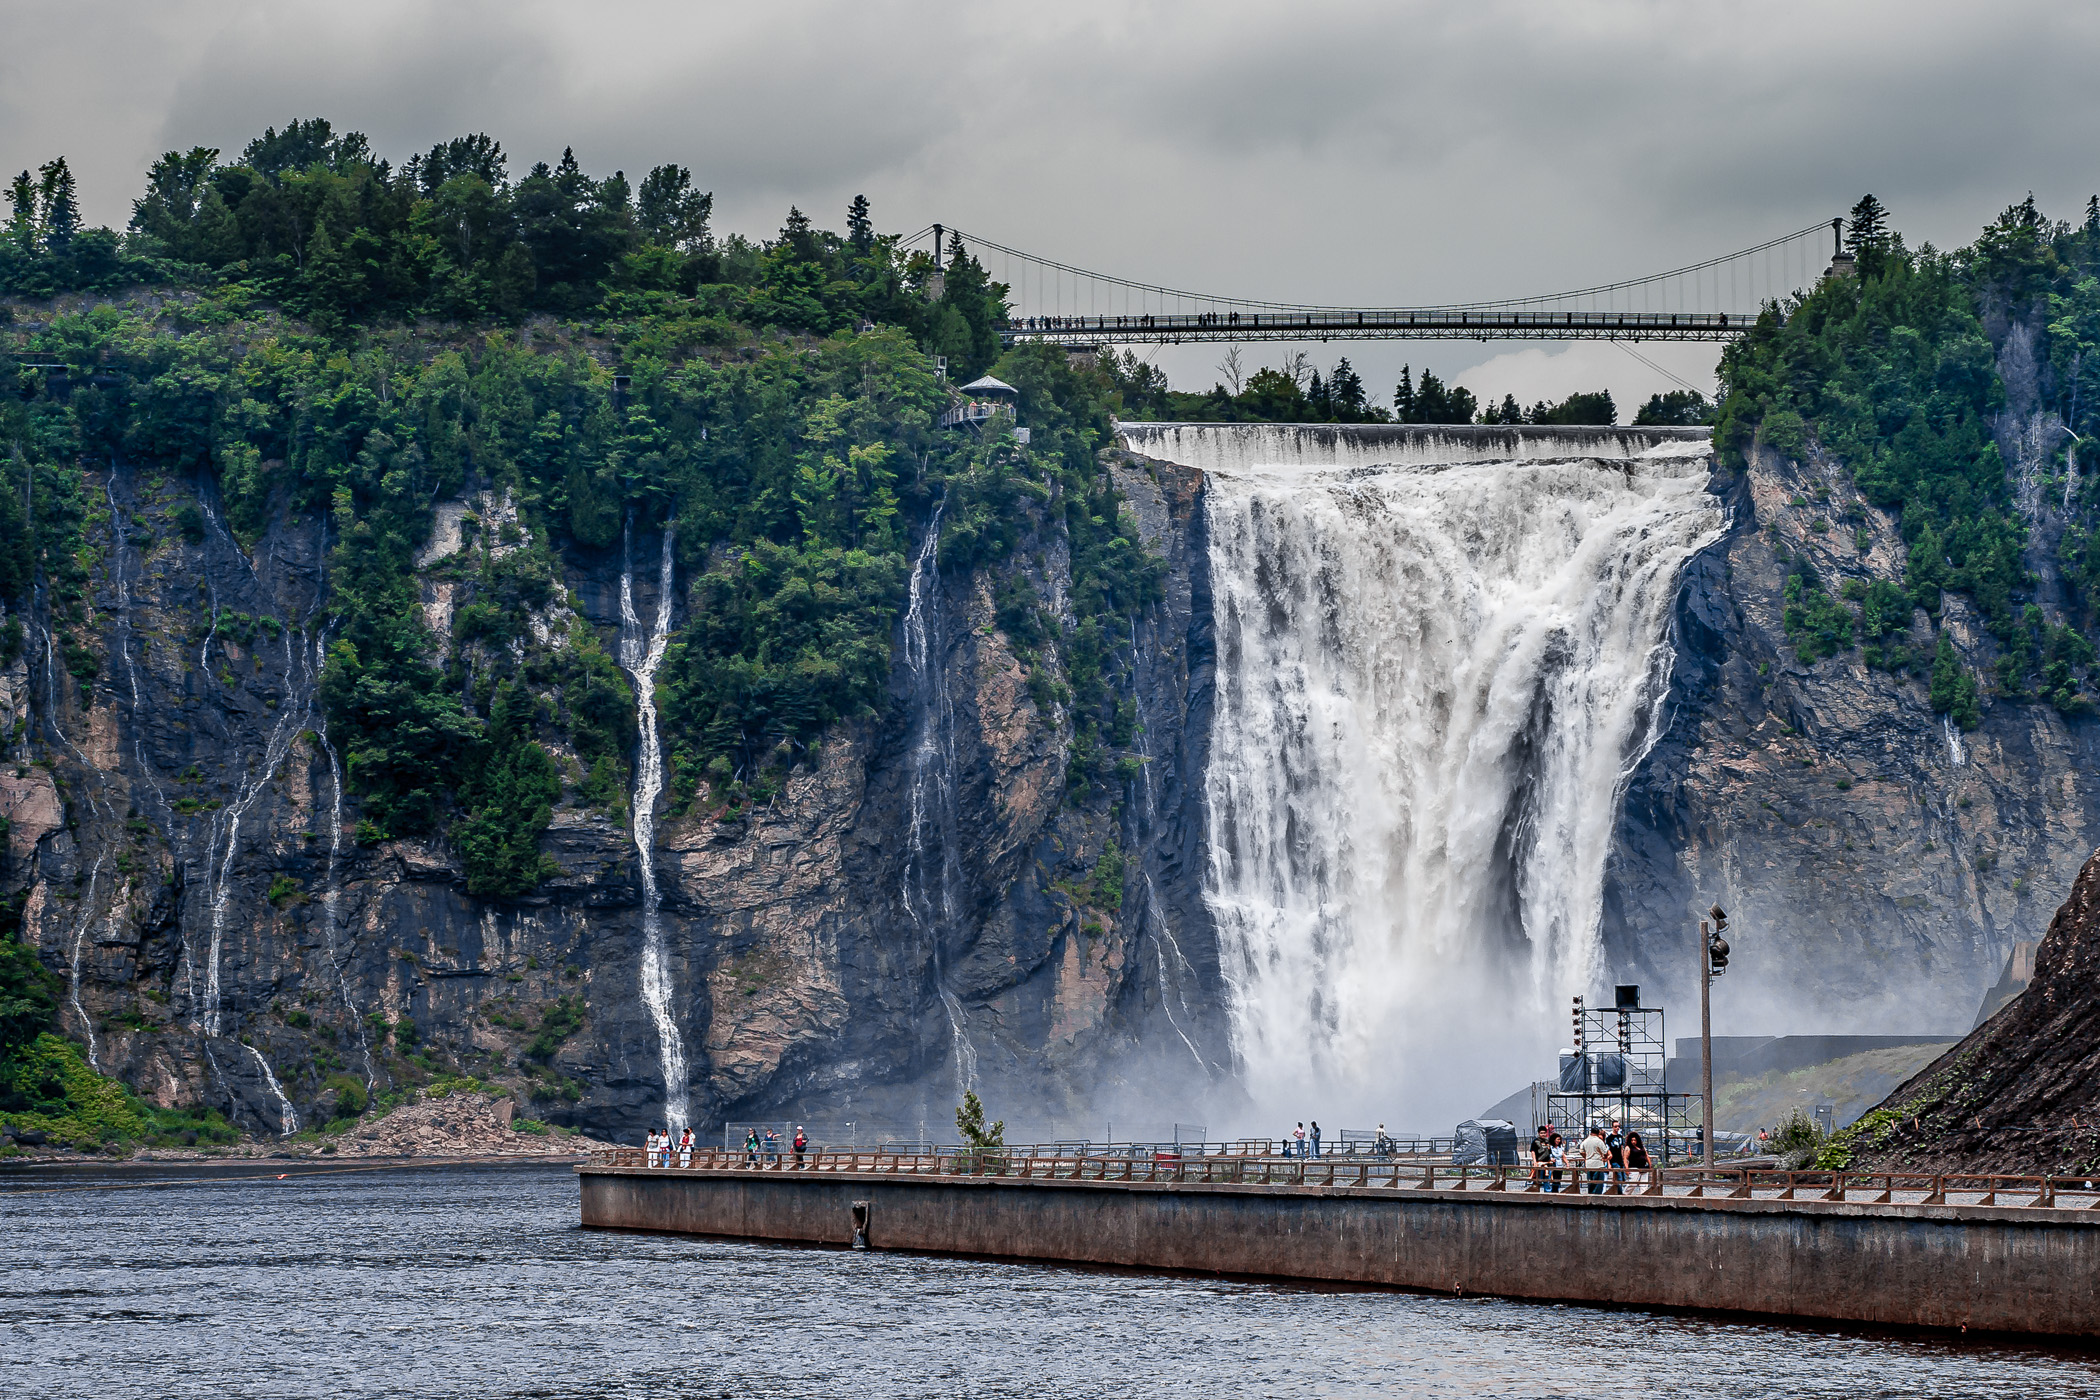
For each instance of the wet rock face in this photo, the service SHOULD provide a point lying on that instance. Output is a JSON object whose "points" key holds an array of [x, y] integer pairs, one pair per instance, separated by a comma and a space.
{"points": [[189, 866], [1877, 864]]}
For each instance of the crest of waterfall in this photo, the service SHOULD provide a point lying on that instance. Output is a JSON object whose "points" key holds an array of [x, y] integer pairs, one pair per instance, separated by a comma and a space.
{"points": [[928, 890], [640, 655], [1439, 656]]}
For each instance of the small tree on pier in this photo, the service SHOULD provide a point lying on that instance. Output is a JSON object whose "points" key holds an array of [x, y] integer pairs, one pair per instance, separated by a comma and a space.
{"points": [[969, 1121]]}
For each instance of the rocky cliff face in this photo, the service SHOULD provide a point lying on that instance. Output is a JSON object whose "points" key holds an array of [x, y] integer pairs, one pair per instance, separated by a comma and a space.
{"points": [[190, 867], [1877, 863], [2018, 1095]]}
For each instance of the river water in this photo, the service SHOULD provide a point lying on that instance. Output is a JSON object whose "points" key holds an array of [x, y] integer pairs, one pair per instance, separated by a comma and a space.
{"points": [[477, 1282]]}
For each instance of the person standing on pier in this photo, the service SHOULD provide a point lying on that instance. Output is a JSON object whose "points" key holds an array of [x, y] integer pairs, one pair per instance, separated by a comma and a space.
{"points": [[801, 1144], [1595, 1156], [1542, 1158], [1316, 1138], [685, 1148], [751, 1146]]}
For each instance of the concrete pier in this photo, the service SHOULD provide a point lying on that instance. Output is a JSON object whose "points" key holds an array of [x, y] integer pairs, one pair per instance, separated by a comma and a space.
{"points": [[1978, 1268]]}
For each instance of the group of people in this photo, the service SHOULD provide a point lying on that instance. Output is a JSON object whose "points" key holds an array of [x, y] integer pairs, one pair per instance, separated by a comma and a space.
{"points": [[1606, 1163], [663, 1149], [760, 1148], [1299, 1144]]}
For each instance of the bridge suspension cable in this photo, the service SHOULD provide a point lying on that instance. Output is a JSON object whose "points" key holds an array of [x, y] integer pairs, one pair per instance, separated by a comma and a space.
{"points": [[1715, 299]]}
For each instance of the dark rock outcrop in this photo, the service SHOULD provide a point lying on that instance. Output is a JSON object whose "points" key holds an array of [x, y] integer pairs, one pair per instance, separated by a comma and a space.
{"points": [[2020, 1095]]}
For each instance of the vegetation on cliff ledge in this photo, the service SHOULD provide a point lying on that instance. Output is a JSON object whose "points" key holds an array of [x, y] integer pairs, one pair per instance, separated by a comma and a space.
{"points": [[1899, 377]]}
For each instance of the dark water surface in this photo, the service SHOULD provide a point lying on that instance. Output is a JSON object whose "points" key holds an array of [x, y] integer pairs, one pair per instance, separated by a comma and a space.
{"points": [[477, 1282]]}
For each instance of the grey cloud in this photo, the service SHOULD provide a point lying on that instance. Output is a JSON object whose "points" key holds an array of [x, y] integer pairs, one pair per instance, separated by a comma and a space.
{"points": [[1367, 152]]}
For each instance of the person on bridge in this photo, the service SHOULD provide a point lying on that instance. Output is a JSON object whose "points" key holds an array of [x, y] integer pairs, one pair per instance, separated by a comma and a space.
{"points": [[751, 1146], [1542, 1159], [1316, 1139], [1297, 1148], [685, 1148], [801, 1144]]}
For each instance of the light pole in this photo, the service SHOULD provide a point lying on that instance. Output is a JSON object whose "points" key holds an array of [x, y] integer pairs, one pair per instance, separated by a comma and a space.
{"points": [[1713, 961]]}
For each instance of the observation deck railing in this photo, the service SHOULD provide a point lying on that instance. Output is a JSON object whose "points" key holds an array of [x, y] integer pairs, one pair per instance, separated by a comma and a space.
{"points": [[1396, 1174]]}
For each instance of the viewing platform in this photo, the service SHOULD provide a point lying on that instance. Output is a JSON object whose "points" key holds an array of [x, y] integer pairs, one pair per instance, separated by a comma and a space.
{"points": [[1961, 1253]]}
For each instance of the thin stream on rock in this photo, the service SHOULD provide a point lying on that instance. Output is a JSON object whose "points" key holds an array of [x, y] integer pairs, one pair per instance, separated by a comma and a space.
{"points": [[640, 658], [933, 788]]}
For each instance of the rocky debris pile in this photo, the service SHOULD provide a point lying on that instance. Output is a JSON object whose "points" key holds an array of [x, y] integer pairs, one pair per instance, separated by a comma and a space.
{"points": [[459, 1124], [2019, 1096]]}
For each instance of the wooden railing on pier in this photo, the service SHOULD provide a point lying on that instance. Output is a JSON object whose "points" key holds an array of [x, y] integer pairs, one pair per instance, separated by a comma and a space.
{"points": [[1393, 1174]]}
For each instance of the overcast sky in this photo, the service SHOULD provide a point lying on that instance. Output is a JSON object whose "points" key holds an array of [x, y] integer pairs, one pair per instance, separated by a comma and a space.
{"points": [[1371, 154]]}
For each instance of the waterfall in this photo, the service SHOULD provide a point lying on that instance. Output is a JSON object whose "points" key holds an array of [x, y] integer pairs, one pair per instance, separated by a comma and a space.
{"points": [[1957, 753], [287, 1116], [87, 916], [223, 840], [933, 787], [1439, 654], [640, 658], [332, 891], [123, 641]]}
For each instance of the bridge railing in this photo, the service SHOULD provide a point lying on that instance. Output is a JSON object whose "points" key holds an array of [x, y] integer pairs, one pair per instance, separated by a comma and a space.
{"points": [[2072, 1193]]}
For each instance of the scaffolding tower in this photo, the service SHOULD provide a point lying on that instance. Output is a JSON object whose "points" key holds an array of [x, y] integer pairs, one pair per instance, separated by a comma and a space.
{"points": [[1615, 1071]]}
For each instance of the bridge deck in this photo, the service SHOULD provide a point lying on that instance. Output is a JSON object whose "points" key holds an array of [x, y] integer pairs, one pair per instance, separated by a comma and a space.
{"points": [[1481, 324]]}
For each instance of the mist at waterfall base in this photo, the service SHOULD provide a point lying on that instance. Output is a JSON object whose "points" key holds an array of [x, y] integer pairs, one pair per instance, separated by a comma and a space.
{"points": [[1438, 656]]}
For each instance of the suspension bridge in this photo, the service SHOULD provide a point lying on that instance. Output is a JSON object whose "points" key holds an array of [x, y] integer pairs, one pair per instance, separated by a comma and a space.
{"points": [[1715, 300]]}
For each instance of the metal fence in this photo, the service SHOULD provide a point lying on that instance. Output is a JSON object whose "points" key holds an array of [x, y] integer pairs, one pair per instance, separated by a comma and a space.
{"points": [[1565, 1186]]}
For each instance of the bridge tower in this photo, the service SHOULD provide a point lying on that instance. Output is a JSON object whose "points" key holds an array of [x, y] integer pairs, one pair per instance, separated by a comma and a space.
{"points": [[1842, 263]]}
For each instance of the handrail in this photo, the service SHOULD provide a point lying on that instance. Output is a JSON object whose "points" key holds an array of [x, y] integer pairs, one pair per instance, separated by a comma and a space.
{"points": [[1566, 1185]]}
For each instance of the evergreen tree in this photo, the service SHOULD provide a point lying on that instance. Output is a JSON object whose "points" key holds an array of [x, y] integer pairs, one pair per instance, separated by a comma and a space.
{"points": [[58, 210], [1405, 409], [1345, 392], [860, 225], [1867, 230], [21, 223]]}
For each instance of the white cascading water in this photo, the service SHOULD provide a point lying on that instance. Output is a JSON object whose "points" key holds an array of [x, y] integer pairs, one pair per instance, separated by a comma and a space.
{"points": [[933, 788], [640, 656], [87, 916], [1438, 659], [287, 1116]]}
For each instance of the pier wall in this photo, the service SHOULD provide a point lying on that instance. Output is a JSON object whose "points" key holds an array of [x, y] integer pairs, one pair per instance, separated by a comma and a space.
{"points": [[1998, 1269]]}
